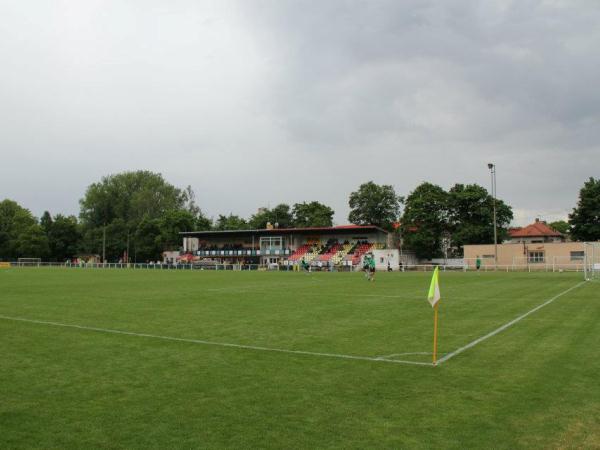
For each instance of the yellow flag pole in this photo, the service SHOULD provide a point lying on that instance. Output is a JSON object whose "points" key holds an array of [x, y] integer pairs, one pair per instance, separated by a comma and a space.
{"points": [[435, 332]]}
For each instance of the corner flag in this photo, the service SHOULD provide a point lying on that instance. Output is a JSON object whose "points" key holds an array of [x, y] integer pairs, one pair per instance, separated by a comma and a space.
{"points": [[434, 298], [434, 288]]}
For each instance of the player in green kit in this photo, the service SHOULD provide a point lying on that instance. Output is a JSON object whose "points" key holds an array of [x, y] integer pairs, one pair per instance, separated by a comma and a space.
{"points": [[366, 266], [371, 267], [305, 266]]}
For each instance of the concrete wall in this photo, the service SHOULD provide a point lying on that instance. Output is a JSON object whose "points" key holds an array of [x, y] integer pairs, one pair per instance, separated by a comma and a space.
{"points": [[556, 255], [382, 257], [409, 258]]}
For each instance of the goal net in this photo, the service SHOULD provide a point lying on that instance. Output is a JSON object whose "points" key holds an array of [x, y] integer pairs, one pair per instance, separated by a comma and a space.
{"points": [[29, 262], [591, 260]]}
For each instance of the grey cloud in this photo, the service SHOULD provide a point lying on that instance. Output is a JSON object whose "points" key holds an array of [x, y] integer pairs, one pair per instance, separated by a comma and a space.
{"points": [[260, 102]]}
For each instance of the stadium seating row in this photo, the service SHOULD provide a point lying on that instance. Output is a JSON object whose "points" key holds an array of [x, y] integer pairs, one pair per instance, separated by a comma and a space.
{"points": [[334, 251]]}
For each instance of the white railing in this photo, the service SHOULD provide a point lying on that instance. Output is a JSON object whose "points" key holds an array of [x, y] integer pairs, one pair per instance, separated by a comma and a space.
{"points": [[148, 266], [521, 267]]}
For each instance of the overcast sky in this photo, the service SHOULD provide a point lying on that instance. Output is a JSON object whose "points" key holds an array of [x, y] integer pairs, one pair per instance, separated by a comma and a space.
{"points": [[259, 102]]}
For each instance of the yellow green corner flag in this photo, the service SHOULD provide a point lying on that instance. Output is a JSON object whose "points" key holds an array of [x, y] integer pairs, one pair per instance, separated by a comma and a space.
{"points": [[434, 288], [434, 298]]}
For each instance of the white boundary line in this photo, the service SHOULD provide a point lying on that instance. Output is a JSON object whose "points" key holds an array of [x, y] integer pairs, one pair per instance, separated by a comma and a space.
{"points": [[218, 344], [505, 326], [301, 352], [406, 354]]}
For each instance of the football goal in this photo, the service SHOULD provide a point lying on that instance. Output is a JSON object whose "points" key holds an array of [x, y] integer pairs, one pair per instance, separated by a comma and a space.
{"points": [[591, 260], [31, 262]]}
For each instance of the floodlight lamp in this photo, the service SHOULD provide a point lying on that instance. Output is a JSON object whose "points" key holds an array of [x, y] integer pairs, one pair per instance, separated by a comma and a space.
{"points": [[490, 166]]}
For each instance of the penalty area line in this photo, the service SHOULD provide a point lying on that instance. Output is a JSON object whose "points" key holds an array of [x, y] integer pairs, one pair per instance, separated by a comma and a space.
{"points": [[212, 343], [506, 325]]}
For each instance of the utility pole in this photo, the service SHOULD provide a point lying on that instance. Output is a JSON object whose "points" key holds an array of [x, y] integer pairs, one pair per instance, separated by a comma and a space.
{"points": [[104, 243], [492, 168]]}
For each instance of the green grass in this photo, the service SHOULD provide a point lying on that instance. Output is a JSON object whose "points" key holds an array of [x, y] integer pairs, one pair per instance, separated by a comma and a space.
{"points": [[534, 385]]}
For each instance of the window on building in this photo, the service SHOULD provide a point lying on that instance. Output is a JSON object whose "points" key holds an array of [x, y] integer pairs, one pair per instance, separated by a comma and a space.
{"points": [[536, 257], [271, 243], [577, 256]]}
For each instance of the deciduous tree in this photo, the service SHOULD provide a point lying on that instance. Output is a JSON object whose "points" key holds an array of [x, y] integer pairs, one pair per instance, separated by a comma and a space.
{"points": [[280, 215], [585, 218], [119, 203], [147, 240], [471, 216], [425, 220], [230, 222], [171, 224], [14, 220], [32, 243], [562, 226], [374, 204], [313, 214]]}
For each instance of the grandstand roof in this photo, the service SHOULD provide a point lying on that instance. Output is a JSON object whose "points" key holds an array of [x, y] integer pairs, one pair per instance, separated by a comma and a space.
{"points": [[537, 229], [343, 229]]}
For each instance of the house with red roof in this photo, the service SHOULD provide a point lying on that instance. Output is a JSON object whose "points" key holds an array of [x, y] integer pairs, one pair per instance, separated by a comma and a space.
{"points": [[536, 233]]}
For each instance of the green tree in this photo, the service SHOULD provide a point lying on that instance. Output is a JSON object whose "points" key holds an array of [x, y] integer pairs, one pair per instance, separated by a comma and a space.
{"points": [[230, 222], [425, 220], [259, 220], [32, 243], [280, 215], [91, 242], [471, 216], [119, 203], [118, 240], [585, 218], [130, 196], [374, 204], [14, 220], [64, 237], [203, 223], [313, 214], [170, 225], [46, 222], [148, 240], [562, 226]]}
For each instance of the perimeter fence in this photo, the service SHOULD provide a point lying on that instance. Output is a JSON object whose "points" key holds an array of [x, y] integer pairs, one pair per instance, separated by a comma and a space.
{"points": [[466, 267]]}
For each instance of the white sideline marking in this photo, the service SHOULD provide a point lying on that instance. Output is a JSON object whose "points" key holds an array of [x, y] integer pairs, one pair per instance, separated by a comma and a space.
{"points": [[505, 326], [218, 344], [406, 354]]}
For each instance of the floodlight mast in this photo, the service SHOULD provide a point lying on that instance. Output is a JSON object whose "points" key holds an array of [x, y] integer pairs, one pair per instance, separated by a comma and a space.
{"points": [[492, 168]]}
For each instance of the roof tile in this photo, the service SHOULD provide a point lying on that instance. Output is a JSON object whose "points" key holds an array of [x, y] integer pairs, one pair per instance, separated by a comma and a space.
{"points": [[537, 229]]}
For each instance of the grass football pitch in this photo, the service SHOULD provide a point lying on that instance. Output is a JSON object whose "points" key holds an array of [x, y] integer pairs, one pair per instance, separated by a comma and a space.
{"points": [[95, 358]]}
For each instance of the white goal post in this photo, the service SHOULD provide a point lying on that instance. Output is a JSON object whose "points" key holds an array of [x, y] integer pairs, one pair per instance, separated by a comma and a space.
{"points": [[31, 262], [591, 260]]}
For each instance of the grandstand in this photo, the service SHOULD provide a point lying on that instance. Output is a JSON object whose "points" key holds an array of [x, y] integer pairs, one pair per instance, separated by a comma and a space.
{"points": [[320, 246]]}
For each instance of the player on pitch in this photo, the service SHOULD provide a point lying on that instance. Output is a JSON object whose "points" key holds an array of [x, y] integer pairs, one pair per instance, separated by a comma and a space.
{"points": [[366, 266], [371, 267], [305, 266]]}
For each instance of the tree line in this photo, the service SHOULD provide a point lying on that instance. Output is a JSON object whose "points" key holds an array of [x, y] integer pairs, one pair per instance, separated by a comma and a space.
{"points": [[139, 215]]}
